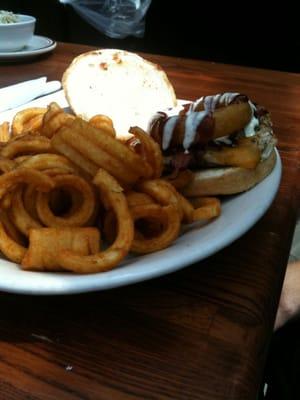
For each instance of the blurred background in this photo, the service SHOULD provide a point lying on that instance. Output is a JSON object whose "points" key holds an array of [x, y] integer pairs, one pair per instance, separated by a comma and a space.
{"points": [[242, 33]]}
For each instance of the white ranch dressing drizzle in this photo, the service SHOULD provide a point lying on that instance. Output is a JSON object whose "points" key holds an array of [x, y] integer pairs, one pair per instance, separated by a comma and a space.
{"points": [[192, 121], [196, 103], [210, 102], [168, 131], [226, 98], [249, 129]]}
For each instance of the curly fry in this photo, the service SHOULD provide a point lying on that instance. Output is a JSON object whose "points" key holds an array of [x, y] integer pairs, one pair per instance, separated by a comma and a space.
{"points": [[27, 144], [104, 123], [46, 243], [54, 119], [151, 149], [9, 247], [20, 217], [111, 257], [9, 180], [29, 119], [170, 219], [79, 216], [4, 132], [10, 228], [46, 161], [205, 207]]}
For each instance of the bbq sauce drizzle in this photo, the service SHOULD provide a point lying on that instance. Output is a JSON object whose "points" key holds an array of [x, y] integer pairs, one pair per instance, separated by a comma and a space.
{"points": [[198, 120]]}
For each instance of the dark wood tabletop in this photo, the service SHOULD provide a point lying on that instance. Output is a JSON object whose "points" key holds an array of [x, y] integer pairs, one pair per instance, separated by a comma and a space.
{"points": [[200, 333]]}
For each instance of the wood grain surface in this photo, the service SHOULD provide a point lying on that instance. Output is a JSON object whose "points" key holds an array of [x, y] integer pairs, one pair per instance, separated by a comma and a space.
{"points": [[200, 333]]}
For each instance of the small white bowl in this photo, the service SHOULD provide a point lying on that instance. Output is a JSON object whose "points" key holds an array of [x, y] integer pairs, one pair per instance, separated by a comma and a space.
{"points": [[14, 36]]}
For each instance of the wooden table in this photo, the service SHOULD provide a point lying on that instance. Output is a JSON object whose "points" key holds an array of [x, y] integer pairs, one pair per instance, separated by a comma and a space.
{"points": [[200, 333]]}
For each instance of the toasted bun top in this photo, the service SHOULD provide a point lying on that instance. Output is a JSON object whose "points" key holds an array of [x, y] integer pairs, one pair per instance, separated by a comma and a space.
{"points": [[228, 180], [117, 83]]}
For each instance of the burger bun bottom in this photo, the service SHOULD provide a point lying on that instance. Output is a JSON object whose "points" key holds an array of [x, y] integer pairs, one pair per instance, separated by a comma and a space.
{"points": [[228, 180]]}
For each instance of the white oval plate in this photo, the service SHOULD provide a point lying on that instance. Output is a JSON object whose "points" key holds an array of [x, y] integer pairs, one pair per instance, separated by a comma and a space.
{"points": [[37, 45], [239, 214]]}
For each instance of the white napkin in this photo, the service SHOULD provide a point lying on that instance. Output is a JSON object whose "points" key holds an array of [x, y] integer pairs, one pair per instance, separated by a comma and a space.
{"points": [[22, 93], [44, 101]]}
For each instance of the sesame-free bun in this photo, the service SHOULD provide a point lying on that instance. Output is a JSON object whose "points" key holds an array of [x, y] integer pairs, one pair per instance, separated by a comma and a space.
{"points": [[119, 84], [228, 180]]}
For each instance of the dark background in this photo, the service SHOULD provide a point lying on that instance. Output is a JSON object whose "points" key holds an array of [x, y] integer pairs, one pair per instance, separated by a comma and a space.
{"points": [[243, 33]]}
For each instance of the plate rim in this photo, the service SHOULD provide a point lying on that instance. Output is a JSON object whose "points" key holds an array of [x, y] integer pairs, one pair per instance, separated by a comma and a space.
{"points": [[29, 53], [86, 284]]}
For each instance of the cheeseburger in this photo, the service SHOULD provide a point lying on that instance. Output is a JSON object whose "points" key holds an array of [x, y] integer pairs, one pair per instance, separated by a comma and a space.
{"points": [[226, 140]]}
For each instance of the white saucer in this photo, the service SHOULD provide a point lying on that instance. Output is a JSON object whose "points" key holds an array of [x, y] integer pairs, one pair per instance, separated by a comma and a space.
{"points": [[37, 45]]}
